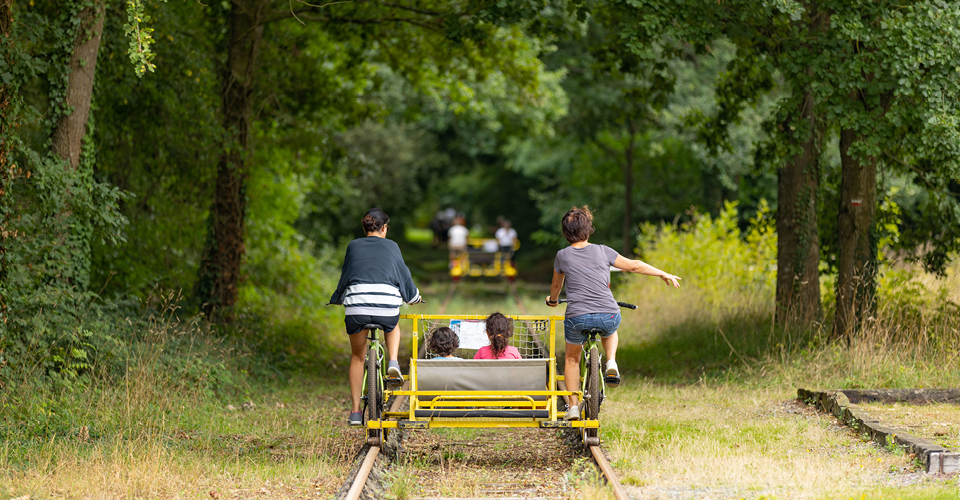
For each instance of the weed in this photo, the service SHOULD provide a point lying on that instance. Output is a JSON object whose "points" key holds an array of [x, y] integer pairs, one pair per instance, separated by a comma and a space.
{"points": [[892, 446], [587, 482], [401, 482]]}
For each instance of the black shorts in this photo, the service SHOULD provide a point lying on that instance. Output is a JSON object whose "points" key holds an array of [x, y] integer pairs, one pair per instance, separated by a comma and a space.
{"points": [[355, 322]]}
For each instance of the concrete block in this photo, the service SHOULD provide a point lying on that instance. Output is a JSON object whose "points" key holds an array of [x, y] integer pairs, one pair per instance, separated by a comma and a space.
{"points": [[934, 463]]}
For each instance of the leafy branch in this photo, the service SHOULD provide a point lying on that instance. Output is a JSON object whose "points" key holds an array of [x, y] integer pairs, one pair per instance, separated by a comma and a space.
{"points": [[141, 40]]}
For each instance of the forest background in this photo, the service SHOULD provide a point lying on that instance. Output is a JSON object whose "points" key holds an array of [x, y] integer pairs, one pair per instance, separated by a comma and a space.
{"points": [[202, 166]]}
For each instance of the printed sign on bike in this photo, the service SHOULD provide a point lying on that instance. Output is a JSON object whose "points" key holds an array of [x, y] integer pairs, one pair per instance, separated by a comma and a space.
{"points": [[472, 332]]}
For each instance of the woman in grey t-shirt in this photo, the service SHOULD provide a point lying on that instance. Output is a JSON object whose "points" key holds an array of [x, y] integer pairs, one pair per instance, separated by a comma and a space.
{"points": [[590, 304]]}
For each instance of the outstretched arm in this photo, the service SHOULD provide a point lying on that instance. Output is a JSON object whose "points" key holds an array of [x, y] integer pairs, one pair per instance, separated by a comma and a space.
{"points": [[640, 267]]}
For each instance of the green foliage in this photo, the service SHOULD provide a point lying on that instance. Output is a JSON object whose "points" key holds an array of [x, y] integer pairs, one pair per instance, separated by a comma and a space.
{"points": [[141, 38], [715, 257], [118, 343]]}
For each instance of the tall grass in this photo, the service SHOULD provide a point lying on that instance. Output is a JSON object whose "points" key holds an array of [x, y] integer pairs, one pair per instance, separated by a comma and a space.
{"points": [[179, 410], [719, 325]]}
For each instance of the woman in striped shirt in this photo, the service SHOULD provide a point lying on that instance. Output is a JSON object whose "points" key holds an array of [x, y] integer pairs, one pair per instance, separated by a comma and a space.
{"points": [[374, 283]]}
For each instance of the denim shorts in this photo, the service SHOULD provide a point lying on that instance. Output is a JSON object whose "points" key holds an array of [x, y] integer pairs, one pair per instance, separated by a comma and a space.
{"points": [[573, 327]]}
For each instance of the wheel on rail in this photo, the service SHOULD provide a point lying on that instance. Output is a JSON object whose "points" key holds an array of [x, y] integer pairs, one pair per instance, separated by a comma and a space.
{"points": [[374, 388], [592, 394]]}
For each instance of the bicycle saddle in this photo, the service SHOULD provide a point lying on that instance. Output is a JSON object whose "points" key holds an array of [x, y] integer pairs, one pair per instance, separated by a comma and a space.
{"points": [[371, 326]]}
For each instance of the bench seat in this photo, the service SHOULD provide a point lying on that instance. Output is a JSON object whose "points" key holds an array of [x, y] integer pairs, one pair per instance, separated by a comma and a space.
{"points": [[482, 375]]}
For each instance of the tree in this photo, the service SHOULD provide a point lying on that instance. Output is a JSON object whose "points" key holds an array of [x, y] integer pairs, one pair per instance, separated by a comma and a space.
{"points": [[615, 99], [71, 127], [220, 268], [395, 30], [876, 70], [894, 97], [7, 126]]}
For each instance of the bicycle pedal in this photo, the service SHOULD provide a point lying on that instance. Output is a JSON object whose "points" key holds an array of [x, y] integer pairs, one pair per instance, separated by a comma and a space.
{"points": [[394, 381], [611, 382]]}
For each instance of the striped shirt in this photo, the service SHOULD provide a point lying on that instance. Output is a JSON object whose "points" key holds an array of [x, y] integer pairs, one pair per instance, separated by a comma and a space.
{"points": [[374, 281]]}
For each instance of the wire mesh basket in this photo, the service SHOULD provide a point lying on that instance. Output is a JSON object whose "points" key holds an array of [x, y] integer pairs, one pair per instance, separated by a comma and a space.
{"points": [[530, 337]]}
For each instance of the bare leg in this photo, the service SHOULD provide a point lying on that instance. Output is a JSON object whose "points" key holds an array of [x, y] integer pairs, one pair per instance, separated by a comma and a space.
{"points": [[358, 356], [571, 371], [610, 347], [392, 339]]}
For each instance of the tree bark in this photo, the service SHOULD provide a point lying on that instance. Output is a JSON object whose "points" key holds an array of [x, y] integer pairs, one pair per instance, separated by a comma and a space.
{"points": [[7, 123], [220, 269], [857, 263], [798, 240], [628, 242], [72, 126]]}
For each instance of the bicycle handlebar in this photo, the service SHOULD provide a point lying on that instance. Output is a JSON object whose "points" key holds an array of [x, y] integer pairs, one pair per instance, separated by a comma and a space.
{"points": [[421, 301], [621, 304]]}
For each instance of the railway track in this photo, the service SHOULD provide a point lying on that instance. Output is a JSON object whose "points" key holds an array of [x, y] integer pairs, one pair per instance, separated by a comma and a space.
{"points": [[356, 487], [374, 463]]}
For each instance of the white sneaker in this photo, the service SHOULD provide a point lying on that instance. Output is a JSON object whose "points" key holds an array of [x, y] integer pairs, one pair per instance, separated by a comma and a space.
{"points": [[573, 413], [612, 375], [393, 371]]}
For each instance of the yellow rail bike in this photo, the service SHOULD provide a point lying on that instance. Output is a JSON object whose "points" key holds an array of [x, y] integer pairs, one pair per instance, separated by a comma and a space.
{"points": [[501, 393], [484, 257]]}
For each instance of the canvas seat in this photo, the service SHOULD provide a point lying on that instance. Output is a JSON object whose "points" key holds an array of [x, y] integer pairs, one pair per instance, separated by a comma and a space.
{"points": [[483, 375]]}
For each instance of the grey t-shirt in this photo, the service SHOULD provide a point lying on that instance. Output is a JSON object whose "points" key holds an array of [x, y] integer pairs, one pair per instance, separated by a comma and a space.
{"points": [[587, 272]]}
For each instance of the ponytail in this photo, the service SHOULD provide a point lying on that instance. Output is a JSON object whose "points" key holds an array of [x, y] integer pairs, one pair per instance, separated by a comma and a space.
{"points": [[499, 329]]}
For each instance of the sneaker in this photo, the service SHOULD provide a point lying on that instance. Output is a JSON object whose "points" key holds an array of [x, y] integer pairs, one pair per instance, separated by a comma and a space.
{"points": [[393, 371], [612, 375], [573, 413], [356, 419]]}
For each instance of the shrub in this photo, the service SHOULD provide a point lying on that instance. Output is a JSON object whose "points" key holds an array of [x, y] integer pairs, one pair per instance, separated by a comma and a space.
{"points": [[711, 255]]}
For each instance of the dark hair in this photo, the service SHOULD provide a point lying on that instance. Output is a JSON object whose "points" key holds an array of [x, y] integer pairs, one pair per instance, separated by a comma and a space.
{"points": [[577, 224], [374, 220], [499, 329], [443, 341]]}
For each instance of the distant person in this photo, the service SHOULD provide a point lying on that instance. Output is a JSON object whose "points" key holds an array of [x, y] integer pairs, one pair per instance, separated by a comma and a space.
{"points": [[440, 224], [374, 283], [457, 235], [499, 331], [444, 342], [590, 302], [499, 224], [506, 238]]}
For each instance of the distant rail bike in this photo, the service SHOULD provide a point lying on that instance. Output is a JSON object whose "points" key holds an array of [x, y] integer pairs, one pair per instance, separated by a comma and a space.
{"points": [[500, 393], [484, 258]]}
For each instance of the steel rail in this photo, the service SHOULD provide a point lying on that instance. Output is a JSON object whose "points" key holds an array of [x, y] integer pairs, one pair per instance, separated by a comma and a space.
{"points": [[361, 478], [608, 472], [356, 489]]}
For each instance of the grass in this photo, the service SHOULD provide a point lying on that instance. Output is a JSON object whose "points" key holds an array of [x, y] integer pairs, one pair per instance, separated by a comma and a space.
{"points": [[938, 422], [283, 442], [706, 410], [736, 441]]}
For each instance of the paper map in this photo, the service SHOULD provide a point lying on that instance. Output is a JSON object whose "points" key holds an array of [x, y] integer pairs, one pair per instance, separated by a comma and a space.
{"points": [[472, 332]]}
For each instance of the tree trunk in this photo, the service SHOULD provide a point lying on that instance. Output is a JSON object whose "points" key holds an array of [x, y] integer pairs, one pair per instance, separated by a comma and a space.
{"points": [[857, 264], [220, 269], [67, 143], [7, 123], [628, 240], [72, 126], [798, 240]]}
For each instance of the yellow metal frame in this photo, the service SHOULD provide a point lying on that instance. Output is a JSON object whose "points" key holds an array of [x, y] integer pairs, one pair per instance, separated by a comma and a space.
{"points": [[462, 267], [482, 399]]}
